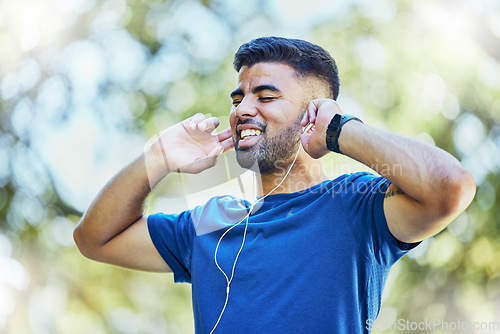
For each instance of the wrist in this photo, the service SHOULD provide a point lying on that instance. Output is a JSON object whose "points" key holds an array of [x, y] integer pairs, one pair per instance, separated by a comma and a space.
{"points": [[156, 164], [334, 130], [349, 139]]}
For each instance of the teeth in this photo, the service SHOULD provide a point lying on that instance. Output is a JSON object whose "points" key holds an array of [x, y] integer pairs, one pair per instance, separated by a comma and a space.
{"points": [[249, 133]]}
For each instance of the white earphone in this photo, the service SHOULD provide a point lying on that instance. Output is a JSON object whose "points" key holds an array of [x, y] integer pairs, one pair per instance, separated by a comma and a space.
{"points": [[229, 280]]}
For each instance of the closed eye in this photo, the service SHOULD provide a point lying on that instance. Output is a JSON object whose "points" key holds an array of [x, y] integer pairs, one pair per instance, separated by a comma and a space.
{"points": [[236, 102], [267, 99]]}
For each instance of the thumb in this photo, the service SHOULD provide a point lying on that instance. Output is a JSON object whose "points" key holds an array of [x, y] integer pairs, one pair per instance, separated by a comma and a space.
{"points": [[304, 139], [207, 162], [311, 147], [216, 151], [214, 154]]}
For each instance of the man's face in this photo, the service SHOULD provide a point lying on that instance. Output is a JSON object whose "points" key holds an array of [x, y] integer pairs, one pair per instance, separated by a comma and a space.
{"points": [[268, 104]]}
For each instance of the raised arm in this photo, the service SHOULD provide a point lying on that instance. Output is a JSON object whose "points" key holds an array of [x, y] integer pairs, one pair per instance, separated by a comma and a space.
{"points": [[114, 230], [429, 186]]}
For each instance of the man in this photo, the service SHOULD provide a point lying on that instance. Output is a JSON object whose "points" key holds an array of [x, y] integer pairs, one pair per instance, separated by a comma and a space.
{"points": [[314, 255]]}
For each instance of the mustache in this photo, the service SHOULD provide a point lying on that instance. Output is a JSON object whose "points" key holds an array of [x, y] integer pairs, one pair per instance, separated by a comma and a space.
{"points": [[252, 122]]}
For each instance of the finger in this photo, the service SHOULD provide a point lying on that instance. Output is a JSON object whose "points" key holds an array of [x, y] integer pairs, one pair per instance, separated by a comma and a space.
{"points": [[308, 128], [225, 134], [209, 161], [304, 139], [227, 144], [195, 119], [305, 119], [336, 107], [312, 109], [216, 151], [310, 146], [198, 117], [209, 124]]}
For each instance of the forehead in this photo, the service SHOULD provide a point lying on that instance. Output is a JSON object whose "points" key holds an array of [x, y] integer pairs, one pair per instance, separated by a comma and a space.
{"points": [[281, 75]]}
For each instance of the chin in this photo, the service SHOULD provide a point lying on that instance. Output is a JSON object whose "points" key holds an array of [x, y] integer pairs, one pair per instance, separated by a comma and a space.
{"points": [[246, 159]]}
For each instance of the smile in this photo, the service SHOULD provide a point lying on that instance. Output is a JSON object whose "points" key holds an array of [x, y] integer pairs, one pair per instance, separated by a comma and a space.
{"points": [[248, 138], [249, 133]]}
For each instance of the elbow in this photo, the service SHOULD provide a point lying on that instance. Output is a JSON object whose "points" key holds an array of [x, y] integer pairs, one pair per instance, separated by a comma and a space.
{"points": [[460, 189], [78, 238], [83, 246]]}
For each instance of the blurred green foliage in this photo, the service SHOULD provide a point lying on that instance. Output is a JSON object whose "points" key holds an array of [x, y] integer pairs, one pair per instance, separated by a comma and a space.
{"points": [[84, 84]]}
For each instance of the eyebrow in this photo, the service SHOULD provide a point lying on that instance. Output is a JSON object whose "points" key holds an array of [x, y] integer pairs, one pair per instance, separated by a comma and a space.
{"points": [[237, 91], [256, 90]]}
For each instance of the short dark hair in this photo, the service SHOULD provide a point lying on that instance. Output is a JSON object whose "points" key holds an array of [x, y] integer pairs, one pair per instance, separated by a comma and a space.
{"points": [[306, 58]]}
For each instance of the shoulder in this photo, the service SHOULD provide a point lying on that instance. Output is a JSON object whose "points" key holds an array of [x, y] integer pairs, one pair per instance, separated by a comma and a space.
{"points": [[217, 212], [219, 204], [358, 177], [360, 183], [214, 206]]}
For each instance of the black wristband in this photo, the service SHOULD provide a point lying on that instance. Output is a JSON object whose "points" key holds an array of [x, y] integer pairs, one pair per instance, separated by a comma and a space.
{"points": [[333, 131]]}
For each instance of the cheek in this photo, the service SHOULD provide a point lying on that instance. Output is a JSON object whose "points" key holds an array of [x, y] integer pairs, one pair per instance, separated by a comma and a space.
{"points": [[232, 118]]}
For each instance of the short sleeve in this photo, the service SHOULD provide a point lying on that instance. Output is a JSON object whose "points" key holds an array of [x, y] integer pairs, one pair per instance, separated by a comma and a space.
{"points": [[363, 203], [173, 237]]}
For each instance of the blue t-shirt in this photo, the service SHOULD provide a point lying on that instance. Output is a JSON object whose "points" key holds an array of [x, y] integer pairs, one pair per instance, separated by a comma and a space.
{"points": [[314, 261]]}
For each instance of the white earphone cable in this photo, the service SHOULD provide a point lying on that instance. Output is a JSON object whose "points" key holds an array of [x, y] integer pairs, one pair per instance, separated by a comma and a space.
{"points": [[229, 280]]}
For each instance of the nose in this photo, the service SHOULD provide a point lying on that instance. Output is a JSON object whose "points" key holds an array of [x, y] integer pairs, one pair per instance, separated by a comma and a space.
{"points": [[246, 109]]}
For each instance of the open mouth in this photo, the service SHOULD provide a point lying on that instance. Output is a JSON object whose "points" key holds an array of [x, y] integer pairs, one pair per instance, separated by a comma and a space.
{"points": [[249, 135]]}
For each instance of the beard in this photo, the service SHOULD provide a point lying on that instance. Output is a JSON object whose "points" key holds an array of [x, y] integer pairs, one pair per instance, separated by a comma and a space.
{"points": [[271, 153]]}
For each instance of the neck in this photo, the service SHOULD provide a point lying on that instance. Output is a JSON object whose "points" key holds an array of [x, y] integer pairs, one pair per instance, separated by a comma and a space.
{"points": [[305, 173]]}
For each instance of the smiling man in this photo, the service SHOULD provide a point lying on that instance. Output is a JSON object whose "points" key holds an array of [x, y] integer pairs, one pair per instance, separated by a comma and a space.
{"points": [[313, 256]]}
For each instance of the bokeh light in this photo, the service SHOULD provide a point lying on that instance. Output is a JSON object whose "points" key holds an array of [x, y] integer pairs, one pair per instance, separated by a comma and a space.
{"points": [[85, 83]]}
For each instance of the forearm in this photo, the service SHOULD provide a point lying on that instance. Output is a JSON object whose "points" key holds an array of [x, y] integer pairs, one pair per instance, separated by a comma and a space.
{"points": [[426, 173], [119, 204], [192, 148]]}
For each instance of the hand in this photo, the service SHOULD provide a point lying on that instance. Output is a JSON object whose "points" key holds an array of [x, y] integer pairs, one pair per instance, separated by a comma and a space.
{"points": [[187, 147], [319, 112]]}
